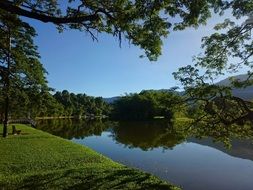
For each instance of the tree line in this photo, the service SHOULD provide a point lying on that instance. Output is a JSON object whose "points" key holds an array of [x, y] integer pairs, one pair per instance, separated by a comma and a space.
{"points": [[148, 104], [81, 104], [59, 104], [145, 105]]}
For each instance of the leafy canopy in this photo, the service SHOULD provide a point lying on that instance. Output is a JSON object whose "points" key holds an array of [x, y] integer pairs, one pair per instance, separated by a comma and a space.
{"points": [[143, 22], [227, 50]]}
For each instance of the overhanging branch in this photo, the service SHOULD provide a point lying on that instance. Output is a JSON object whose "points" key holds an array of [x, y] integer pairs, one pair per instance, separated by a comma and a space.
{"points": [[10, 7]]}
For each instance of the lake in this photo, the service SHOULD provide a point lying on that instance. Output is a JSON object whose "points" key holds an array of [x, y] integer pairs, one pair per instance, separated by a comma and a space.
{"points": [[171, 154]]}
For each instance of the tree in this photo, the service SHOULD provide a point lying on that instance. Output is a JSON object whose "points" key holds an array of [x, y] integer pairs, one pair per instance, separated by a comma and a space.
{"points": [[81, 105], [143, 22], [146, 105], [20, 70], [228, 50]]}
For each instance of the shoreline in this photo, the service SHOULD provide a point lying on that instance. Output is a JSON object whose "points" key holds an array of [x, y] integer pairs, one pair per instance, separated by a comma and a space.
{"points": [[38, 159]]}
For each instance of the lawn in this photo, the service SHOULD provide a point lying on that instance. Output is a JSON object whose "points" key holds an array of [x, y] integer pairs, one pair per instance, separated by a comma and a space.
{"points": [[38, 160]]}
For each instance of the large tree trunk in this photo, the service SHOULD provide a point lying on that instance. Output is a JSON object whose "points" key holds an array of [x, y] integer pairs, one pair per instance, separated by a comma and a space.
{"points": [[6, 117]]}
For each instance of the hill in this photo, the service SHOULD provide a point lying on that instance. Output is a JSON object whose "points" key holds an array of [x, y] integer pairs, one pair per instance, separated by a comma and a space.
{"points": [[244, 93], [111, 100]]}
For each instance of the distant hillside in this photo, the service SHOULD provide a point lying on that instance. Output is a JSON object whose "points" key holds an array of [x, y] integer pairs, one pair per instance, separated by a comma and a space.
{"points": [[115, 98], [244, 93], [111, 100], [226, 82]]}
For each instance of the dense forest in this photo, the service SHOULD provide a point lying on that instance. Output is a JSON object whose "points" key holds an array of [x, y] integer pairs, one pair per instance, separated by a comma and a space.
{"points": [[148, 104], [59, 104]]}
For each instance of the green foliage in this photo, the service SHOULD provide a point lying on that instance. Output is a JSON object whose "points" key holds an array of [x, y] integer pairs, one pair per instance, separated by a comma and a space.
{"points": [[218, 132], [22, 76], [143, 22], [222, 133], [37, 159], [48, 105], [35, 103], [81, 104], [227, 50], [146, 105]]}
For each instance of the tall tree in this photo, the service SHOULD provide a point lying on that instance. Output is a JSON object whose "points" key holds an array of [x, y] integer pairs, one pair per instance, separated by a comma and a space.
{"points": [[20, 69]]}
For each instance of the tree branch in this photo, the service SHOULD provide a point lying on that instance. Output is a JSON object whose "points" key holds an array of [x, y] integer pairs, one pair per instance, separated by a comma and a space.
{"points": [[10, 7]]}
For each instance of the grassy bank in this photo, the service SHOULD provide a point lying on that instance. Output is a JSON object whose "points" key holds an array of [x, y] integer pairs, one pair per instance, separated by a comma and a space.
{"points": [[38, 160]]}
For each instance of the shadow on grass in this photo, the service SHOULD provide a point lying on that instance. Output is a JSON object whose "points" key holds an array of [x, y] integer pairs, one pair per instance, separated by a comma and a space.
{"points": [[10, 134], [122, 178]]}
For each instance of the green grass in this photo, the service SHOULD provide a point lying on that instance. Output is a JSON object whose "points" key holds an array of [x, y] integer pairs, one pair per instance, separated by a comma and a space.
{"points": [[38, 160]]}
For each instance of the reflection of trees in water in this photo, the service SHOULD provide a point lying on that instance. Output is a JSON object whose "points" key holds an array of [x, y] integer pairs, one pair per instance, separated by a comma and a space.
{"points": [[222, 133], [68, 128], [147, 135], [239, 148]]}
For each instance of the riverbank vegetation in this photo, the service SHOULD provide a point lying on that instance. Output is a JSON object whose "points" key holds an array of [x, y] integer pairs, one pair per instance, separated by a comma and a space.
{"points": [[59, 104], [138, 106], [147, 105], [36, 159]]}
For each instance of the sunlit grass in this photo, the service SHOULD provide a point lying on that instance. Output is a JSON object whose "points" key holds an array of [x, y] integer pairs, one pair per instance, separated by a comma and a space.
{"points": [[38, 160]]}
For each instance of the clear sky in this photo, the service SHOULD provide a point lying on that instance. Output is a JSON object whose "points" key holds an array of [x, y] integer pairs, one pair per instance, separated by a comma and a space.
{"points": [[76, 63]]}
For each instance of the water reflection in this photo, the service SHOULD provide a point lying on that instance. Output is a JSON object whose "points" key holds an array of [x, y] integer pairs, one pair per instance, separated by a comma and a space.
{"points": [[186, 156], [147, 135], [155, 134], [69, 129], [221, 133]]}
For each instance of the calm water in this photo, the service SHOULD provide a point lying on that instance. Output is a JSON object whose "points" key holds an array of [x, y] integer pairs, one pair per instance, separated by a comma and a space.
{"points": [[158, 148]]}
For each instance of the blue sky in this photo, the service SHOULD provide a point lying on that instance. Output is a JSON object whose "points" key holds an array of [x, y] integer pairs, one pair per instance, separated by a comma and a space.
{"points": [[76, 63]]}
